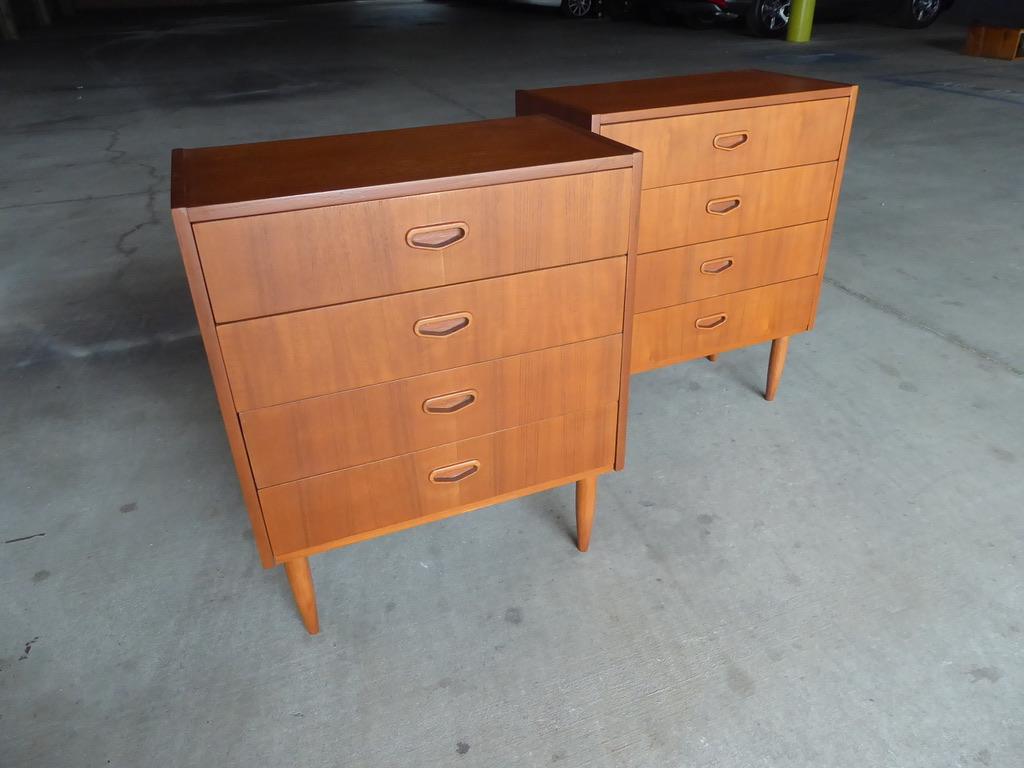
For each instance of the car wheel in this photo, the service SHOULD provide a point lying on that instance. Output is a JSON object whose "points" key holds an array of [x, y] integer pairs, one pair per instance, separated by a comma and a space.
{"points": [[578, 9], [918, 14], [768, 18]]}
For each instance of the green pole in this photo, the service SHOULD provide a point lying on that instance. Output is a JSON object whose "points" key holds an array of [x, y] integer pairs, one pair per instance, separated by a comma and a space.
{"points": [[801, 16]]}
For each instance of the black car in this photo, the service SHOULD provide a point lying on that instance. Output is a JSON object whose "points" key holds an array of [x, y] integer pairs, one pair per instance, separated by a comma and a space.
{"points": [[771, 17]]}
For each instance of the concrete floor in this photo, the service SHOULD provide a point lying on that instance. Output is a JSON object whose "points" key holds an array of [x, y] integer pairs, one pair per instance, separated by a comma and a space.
{"points": [[831, 581]]}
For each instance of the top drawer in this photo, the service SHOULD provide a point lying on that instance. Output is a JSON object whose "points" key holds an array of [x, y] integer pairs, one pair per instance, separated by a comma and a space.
{"points": [[280, 262], [734, 142]]}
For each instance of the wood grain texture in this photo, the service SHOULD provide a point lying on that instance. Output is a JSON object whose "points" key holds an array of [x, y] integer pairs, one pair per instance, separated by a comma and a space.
{"points": [[776, 362], [679, 215], [592, 105], [627, 312], [331, 507], [995, 42], [303, 168], [834, 199], [678, 150], [263, 265], [586, 505], [434, 517], [211, 343], [322, 434], [671, 335], [300, 579], [277, 359], [694, 272]]}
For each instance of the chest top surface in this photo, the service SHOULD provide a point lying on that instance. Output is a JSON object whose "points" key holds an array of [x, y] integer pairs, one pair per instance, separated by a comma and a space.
{"points": [[275, 170], [681, 94]]}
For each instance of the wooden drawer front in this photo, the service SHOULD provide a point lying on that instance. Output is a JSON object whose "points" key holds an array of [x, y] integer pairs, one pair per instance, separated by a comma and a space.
{"points": [[687, 331], [708, 146], [684, 214], [337, 505], [288, 357], [694, 272], [280, 262], [322, 434]]}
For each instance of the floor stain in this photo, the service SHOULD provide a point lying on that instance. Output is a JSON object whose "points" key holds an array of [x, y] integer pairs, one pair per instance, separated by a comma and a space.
{"points": [[131, 506], [1002, 454], [889, 370], [39, 576], [462, 748], [992, 674], [24, 538], [28, 648], [514, 615], [739, 681], [984, 757]]}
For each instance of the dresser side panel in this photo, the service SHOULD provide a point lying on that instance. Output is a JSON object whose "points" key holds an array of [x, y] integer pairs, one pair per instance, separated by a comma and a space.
{"points": [[834, 205], [207, 328]]}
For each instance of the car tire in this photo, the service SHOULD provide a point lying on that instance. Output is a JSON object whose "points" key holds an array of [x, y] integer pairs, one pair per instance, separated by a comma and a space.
{"points": [[579, 9], [918, 14], [768, 18]]}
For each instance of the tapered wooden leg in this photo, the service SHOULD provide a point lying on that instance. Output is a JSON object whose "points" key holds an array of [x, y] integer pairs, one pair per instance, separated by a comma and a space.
{"points": [[776, 362], [713, 357], [586, 500], [301, 581]]}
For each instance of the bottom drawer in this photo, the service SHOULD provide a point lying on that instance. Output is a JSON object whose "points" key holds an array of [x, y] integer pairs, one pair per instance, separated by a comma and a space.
{"points": [[322, 509], [706, 327]]}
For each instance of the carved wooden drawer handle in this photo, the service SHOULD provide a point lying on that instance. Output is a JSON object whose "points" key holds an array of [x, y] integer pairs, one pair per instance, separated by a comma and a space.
{"points": [[730, 141], [453, 473], [450, 403], [717, 266], [442, 325], [711, 321], [437, 236], [723, 205]]}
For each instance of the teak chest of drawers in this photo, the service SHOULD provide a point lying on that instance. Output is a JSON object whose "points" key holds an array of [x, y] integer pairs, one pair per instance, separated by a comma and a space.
{"points": [[741, 176], [406, 325]]}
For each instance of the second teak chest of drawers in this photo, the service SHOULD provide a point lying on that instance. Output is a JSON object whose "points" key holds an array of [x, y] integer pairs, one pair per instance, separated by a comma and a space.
{"points": [[405, 325], [741, 176]]}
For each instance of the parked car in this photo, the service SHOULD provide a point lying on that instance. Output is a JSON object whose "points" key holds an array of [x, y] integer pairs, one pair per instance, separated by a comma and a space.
{"points": [[771, 17]]}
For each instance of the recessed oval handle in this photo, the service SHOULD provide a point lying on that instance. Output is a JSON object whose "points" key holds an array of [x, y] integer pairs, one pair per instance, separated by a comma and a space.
{"points": [[437, 236], [717, 266], [731, 141], [442, 325], [453, 473], [450, 403], [723, 205], [711, 321]]}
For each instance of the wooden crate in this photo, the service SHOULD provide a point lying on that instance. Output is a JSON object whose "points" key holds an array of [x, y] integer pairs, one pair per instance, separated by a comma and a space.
{"points": [[995, 42]]}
